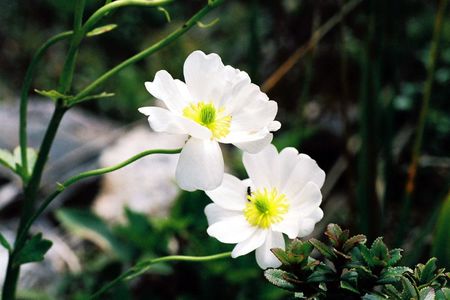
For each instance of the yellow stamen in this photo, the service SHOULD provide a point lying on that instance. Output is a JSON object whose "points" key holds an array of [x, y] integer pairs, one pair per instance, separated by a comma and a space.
{"points": [[266, 207], [207, 115]]}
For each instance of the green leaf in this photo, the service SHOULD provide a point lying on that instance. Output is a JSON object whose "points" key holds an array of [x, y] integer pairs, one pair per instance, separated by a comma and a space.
{"points": [[372, 297], [333, 232], [392, 275], [427, 294], [89, 226], [322, 273], [441, 240], [347, 286], [165, 12], [394, 256], [409, 290], [367, 255], [281, 255], [379, 249], [278, 278], [4, 242], [7, 159], [90, 97], [427, 272], [353, 241], [322, 248], [33, 250], [52, 94], [31, 157], [101, 30], [298, 247]]}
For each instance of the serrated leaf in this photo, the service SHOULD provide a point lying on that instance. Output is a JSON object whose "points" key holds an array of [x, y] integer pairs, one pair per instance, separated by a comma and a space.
{"points": [[427, 294], [367, 255], [333, 232], [33, 250], [394, 256], [379, 249], [322, 273], [91, 97], [344, 236], [409, 290], [7, 159], [277, 278], [281, 255], [52, 94], [4, 242], [101, 30], [322, 248], [353, 241], [349, 281], [427, 272], [392, 275], [298, 247]]}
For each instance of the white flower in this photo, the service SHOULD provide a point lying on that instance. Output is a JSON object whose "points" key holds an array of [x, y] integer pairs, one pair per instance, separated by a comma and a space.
{"points": [[217, 104], [282, 195]]}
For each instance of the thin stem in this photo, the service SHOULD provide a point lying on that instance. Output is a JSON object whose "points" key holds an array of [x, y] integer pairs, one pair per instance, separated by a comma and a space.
{"points": [[417, 146], [24, 95], [83, 175], [104, 10], [150, 50], [143, 266]]}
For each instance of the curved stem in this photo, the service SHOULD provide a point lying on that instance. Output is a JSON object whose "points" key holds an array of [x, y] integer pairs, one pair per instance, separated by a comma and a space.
{"points": [[83, 175], [24, 95], [150, 50], [143, 266], [109, 6]]}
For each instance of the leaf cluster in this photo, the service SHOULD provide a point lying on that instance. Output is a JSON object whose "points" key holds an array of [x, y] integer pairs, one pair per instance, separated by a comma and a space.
{"points": [[347, 268]]}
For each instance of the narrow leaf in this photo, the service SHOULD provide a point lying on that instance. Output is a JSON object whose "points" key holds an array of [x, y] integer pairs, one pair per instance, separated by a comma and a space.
{"points": [[52, 94], [34, 250], [428, 271], [91, 97], [4, 243], [7, 159]]}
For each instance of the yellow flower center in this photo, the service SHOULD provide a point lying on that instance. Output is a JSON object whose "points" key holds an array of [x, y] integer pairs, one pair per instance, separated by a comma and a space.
{"points": [[206, 114], [265, 207]]}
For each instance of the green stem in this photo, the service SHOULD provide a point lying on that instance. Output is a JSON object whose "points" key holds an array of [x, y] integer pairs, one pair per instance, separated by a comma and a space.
{"points": [[143, 266], [417, 146], [150, 50], [24, 95], [83, 175]]}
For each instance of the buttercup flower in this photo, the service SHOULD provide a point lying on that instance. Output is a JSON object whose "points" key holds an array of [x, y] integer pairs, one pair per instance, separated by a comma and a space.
{"points": [[282, 195], [216, 104]]}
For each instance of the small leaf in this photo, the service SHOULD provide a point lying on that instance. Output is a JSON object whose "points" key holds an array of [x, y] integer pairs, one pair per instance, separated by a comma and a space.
{"points": [[395, 255], [7, 159], [34, 250], [367, 255], [322, 273], [165, 12], [427, 272], [379, 249], [31, 160], [278, 278], [90, 97], [4, 242], [347, 286], [322, 248], [353, 241], [101, 30], [392, 275], [281, 255], [372, 297], [409, 290], [333, 232], [52, 94], [298, 247]]}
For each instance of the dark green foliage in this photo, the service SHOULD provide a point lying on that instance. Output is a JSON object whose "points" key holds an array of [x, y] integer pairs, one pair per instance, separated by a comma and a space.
{"points": [[348, 269], [34, 250]]}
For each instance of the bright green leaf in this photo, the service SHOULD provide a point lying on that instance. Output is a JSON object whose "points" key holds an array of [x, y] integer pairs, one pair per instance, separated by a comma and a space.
{"points": [[33, 250], [90, 97], [7, 159], [52, 94], [427, 272]]}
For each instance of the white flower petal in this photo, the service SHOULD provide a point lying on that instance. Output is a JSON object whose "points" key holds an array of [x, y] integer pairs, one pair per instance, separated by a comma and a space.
{"points": [[274, 126], [264, 257], [290, 225], [231, 194], [173, 93], [306, 169], [231, 230], [255, 146], [306, 227], [250, 244], [308, 200], [262, 167], [254, 116], [203, 75], [287, 160], [316, 215], [163, 120], [200, 165], [215, 213]]}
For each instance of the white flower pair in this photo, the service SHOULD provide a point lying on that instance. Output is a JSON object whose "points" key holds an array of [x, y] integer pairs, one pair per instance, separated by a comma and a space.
{"points": [[219, 103]]}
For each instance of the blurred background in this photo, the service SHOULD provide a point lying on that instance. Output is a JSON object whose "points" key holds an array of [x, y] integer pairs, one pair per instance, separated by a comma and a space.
{"points": [[350, 78]]}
